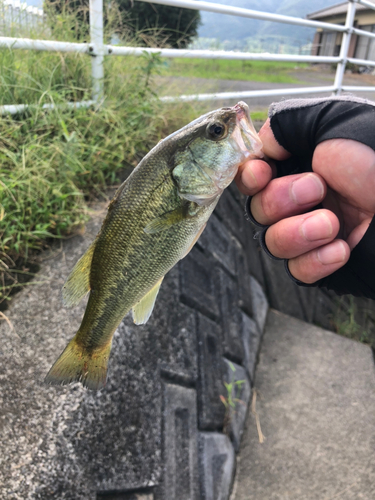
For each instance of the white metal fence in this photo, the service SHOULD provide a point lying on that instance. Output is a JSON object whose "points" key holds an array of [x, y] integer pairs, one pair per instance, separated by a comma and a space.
{"points": [[98, 50], [19, 18]]}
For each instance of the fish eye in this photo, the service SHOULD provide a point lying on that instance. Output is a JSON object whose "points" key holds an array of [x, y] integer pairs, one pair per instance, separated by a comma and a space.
{"points": [[215, 130]]}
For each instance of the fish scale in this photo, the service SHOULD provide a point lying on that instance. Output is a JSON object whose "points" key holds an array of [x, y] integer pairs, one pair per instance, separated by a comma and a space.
{"points": [[155, 218]]}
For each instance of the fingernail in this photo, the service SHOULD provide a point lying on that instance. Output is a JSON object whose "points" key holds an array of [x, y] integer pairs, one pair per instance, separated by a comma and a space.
{"points": [[307, 189], [316, 227], [332, 253]]}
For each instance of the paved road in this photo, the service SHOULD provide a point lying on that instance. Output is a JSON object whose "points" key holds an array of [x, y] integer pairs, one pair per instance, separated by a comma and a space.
{"points": [[307, 77], [316, 407]]}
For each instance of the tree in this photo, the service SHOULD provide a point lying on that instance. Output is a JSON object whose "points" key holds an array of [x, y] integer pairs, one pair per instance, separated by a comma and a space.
{"points": [[160, 23], [149, 24]]}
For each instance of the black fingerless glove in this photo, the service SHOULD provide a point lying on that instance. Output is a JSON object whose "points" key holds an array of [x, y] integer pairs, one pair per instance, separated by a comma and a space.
{"points": [[299, 125]]}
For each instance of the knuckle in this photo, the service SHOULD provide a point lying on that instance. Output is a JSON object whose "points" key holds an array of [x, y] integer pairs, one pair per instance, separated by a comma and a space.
{"points": [[276, 242], [267, 207], [299, 271]]}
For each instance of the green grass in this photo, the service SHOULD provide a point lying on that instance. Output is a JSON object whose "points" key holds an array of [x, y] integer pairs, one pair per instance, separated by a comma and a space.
{"points": [[353, 318], [260, 115], [257, 71], [51, 160]]}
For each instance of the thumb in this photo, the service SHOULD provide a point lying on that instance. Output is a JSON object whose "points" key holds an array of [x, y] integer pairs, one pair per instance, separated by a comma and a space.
{"points": [[358, 233]]}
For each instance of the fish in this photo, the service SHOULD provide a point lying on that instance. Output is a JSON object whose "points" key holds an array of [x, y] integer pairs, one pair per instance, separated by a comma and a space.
{"points": [[152, 222]]}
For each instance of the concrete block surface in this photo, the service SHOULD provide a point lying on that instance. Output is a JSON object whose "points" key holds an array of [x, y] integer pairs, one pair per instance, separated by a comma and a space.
{"points": [[217, 240], [251, 340], [243, 277], [231, 212], [211, 375], [180, 446], [230, 320], [217, 465], [197, 283], [260, 304], [283, 294]]}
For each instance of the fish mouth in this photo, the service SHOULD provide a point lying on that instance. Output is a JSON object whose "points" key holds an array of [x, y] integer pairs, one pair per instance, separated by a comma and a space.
{"points": [[245, 134]]}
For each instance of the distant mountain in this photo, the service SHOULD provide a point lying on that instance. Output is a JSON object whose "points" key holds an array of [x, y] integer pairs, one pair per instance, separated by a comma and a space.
{"points": [[226, 27]]}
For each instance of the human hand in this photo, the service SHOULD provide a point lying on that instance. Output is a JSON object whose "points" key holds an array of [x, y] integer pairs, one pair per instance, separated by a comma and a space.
{"points": [[316, 243]]}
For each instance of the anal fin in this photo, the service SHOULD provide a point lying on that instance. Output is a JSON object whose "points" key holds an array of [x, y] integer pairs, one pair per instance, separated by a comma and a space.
{"points": [[78, 282], [143, 309]]}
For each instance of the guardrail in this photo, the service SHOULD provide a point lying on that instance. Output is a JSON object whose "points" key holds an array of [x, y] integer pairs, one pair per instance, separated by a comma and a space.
{"points": [[98, 50]]}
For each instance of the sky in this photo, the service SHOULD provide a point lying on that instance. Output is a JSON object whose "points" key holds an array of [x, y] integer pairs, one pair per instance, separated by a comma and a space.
{"points": [[35, 3]]}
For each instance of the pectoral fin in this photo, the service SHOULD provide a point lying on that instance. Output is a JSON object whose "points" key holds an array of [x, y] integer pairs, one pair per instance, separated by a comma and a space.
{"points": [[78, 282], [142, 311], [165, 221]]}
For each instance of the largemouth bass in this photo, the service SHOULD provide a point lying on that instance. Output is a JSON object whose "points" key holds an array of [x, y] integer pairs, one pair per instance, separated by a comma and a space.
{"points": [[153, 221]]}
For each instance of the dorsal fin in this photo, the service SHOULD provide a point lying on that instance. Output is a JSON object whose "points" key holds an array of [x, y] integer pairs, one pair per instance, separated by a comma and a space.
{"points": [[78, 282], [143, 309]]}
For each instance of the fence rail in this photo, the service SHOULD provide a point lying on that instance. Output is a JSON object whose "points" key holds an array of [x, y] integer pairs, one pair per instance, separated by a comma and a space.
{"points": [[43, 45], [251, 14], [98, 50]]}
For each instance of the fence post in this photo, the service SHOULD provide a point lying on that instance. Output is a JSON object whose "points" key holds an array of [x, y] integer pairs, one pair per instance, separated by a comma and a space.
{"points": [[345, 46], [96, 48]]}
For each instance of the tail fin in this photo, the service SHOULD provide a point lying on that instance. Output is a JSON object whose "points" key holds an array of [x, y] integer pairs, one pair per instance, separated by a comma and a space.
{"points": [[77, 364]]}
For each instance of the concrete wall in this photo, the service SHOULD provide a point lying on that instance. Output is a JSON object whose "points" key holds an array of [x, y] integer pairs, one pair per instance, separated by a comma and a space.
{"points": [[350, 316], [159, 429]]}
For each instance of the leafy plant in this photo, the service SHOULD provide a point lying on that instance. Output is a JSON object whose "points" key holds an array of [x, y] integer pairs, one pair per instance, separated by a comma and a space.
{"points": [[349, 322], [232, 399]]}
